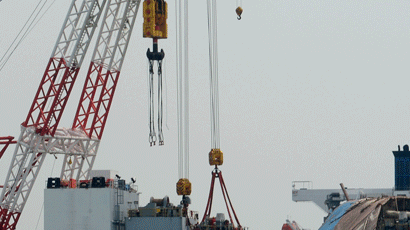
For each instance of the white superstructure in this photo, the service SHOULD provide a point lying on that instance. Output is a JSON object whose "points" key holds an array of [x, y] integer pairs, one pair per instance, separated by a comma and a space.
{"points": [[323, 197], [86, 208], [100, 203]]}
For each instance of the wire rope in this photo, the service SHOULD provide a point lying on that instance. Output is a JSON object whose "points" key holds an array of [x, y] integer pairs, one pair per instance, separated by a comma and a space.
{"points": [[21, 30], [26, 33], [182, 68], [186, 78], [166, 93], [42, 206], [178, 72], [213, 70], [216, 83], [152, 135], [160, 104], [238, 3], [210, 72]]}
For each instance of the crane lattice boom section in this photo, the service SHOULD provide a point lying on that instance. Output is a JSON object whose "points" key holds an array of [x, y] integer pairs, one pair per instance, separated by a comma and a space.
{"points": [[105, 67], [78, 29], [102, 78], [23, 171], [38, 130], [62, 70]]}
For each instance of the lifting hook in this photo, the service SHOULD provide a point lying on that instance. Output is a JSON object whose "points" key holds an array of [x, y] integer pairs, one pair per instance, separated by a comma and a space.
{"points": [[239, 11]]}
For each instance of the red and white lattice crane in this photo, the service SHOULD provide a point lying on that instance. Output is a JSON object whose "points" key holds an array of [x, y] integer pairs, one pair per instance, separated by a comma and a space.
{"points": [[6, 141], [39, 132]]}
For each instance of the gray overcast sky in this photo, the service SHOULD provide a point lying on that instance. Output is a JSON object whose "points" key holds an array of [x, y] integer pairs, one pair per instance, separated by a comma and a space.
{"points": [[309, 90]]}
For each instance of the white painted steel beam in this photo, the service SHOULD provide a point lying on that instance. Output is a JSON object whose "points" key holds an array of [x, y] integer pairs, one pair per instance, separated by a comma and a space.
{"points": [[79, 26], [319, 196]]}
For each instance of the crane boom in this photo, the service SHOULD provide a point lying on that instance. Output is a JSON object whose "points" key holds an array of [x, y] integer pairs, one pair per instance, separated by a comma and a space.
{"points": [[38, 129], [63, 67], [99, 87]]}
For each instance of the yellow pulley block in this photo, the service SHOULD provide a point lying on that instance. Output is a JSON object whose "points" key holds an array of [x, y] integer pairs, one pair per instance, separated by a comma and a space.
{"points": [[216, 157], [183, 187], [155, 14], [239, 11]]}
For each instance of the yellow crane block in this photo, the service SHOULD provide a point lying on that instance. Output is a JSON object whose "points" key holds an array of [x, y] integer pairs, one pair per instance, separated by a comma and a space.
{"points": [[216, 157], [155, 14], [183, 187], [239, 11]]}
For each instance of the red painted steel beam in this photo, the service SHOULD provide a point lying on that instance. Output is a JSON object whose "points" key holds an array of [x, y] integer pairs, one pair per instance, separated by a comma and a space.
{"points": [[51, 97], [6, 141], [95, 101], [9, 219]]}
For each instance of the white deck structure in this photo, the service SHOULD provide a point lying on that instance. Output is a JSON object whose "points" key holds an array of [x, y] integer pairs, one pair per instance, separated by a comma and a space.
{"points": [[303, 191]]}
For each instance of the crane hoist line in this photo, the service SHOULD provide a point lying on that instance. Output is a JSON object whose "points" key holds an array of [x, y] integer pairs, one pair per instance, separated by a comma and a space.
{"points": [[215, 156], [183, 186], [155, 26]]}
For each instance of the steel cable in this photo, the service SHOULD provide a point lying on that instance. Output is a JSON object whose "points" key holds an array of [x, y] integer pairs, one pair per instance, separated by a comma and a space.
{"points": [[160, 104], [152, 135], [178, 16], [26, 33], [213, 69], [186, 91], [183, 87]]}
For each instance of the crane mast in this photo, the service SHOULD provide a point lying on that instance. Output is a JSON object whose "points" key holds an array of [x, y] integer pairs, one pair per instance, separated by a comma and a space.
{"points": [[39, 132]]}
